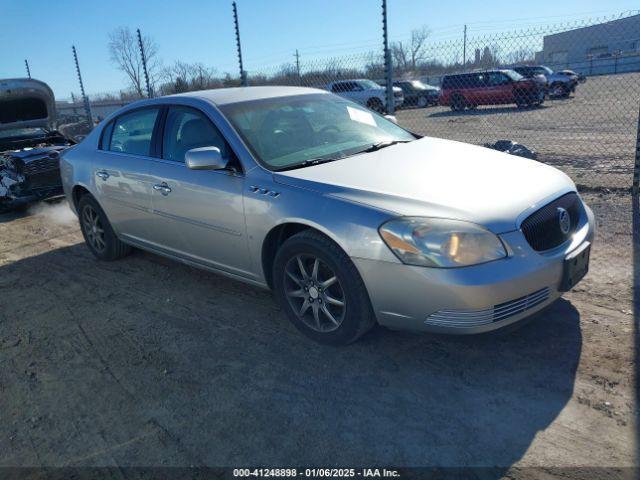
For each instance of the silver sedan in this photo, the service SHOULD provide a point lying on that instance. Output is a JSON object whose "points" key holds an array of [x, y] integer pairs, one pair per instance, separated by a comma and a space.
{"points": [[349, 218]]}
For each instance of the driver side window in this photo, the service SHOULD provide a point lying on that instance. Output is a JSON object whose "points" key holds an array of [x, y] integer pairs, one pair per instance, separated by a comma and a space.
{"points": [[188, 128], [497, 78]]}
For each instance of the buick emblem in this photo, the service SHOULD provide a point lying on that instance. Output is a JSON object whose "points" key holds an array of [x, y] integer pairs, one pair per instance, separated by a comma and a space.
{"points": [[564, 220]]}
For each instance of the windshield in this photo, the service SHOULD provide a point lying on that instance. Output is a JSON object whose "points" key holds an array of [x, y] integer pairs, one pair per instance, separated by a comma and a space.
{"points": [[515, 76], [418, 85], [287, 131], [368, 84]]}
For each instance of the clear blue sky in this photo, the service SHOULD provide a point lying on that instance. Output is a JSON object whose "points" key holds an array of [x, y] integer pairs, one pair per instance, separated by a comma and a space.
{"points": [[271, 30]]}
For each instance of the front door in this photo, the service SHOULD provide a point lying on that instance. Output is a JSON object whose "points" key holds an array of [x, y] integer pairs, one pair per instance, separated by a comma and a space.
{"points": [[198, 214], [499, 89]]}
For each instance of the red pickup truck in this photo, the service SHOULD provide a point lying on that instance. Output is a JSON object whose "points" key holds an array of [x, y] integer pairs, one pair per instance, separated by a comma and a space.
{"points": [[489, 87]]}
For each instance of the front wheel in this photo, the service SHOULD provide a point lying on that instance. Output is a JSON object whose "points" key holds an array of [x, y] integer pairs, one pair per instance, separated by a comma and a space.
{"points": [[320, 289], [422, 101], [558, 90]]}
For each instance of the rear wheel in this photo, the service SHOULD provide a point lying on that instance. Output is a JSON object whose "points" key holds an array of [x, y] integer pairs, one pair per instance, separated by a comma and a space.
{"points": [[320, 289], [97, 231]]}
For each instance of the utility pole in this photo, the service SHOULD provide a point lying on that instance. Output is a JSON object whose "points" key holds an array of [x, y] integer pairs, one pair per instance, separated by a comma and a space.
{"points": [[297, 55], [464, 48], [26, 64], [243, 74], [87, 106], [144, 65], [388, 68]]}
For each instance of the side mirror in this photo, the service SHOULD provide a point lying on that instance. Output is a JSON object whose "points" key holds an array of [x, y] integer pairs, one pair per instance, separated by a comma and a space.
{"points": [[391, 118], [205, 158]]}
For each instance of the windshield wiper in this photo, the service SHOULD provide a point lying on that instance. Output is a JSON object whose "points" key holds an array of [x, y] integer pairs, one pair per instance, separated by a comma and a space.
{"points": [[308, 163], [316, 161], [380, 145]]}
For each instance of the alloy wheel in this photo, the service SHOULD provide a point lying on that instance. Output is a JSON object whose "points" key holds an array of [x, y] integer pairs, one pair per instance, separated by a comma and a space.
{"points": [[93, 228], [314, 293]]}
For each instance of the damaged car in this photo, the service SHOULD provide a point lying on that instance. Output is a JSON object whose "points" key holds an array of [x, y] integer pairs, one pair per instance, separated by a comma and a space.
{"points": [[30, 146]]}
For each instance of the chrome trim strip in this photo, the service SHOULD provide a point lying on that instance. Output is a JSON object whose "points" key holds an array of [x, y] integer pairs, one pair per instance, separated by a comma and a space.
{"points": [[471, 318]]}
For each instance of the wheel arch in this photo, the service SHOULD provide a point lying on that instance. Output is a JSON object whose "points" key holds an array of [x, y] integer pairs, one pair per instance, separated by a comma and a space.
{"points": [[281, 233], [77, 192]]}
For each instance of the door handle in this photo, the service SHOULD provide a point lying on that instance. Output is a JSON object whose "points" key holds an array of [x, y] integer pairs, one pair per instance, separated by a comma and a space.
{"points": [[163, 188], [102, 174]]}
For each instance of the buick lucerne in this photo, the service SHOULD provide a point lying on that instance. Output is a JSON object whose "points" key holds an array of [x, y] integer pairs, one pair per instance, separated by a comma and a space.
{"points": [[349, 218]]}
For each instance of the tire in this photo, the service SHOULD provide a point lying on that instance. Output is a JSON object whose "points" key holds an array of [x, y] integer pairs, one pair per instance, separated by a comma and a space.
{"points": [[376, 105], [526, 99], [109, 247], [458, 103], [521, 100], [306, 296], [558, 90], [422, 101]]}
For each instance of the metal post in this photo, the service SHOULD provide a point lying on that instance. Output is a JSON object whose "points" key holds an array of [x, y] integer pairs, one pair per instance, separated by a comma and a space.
{"points": [[87, 106], [636, 168], [464, 49], [243, 74], [26, 64], [388, 68], [144, 65], [297, 55]]}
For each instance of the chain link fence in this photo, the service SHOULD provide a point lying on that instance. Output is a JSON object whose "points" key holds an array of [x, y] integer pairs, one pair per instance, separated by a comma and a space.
{"points": [[570, 93]]}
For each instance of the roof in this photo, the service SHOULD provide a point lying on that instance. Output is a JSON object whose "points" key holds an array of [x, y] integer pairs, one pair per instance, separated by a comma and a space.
{"points": [[223, 96]]}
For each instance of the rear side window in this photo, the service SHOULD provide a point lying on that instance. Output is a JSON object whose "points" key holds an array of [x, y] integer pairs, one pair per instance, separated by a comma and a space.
{"points": [[132, 132], [456, 81]]}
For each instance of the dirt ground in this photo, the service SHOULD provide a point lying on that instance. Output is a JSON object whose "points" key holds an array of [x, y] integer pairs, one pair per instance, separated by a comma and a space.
{"points": [[145, 361], [590, 135]]}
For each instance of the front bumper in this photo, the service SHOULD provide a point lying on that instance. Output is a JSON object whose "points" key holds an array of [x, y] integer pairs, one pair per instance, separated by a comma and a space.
{"points": [[470, 299]]}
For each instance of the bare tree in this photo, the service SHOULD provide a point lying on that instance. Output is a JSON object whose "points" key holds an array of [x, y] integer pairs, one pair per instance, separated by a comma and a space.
{"points": [[125, 53], [408, 55], [521, 55], [183, 77]]}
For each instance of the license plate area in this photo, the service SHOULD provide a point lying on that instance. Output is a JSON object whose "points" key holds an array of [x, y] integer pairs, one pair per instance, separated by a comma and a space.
{"points": [[576, 266]]}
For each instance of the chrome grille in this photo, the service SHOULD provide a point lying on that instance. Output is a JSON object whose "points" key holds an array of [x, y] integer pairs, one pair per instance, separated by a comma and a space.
{"points": [[474, 318], [542, 228]]}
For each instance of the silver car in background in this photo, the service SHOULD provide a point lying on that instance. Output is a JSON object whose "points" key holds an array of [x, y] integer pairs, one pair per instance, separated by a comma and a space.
{"points": [[349, 218]]}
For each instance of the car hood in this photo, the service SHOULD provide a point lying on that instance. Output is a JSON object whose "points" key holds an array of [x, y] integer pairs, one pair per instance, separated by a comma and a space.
{"points": [[439, 178], [26, 103]]}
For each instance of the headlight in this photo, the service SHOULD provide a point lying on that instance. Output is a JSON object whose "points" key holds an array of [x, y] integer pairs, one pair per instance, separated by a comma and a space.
{"points": [[439, 242]]}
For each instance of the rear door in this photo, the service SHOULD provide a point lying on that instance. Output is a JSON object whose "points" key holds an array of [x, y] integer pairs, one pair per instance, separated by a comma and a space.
{"points": [[121, 171], [198, 214]]}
